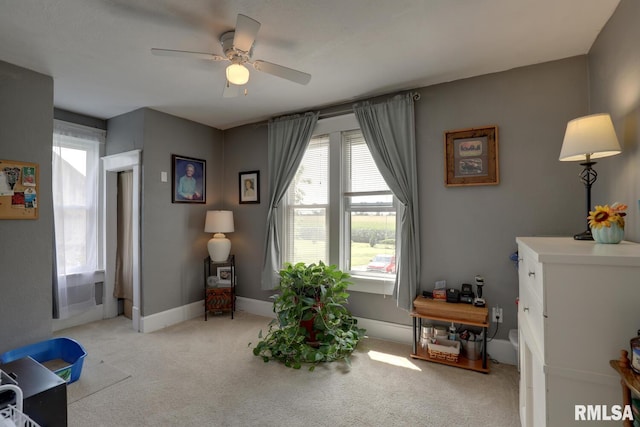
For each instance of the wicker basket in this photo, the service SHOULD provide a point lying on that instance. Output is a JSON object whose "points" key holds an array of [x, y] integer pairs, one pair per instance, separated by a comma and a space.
{"points": [[444, 350]]}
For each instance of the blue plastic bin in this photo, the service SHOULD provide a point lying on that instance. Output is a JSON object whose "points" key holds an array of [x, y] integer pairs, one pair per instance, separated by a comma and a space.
{"points": [[63, 348]]}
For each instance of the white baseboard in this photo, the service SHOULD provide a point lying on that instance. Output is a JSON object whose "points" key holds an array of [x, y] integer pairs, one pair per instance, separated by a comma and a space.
{"points": [[500, 350], [148, 324], [386, 331], [255, 306], [157, 321]]}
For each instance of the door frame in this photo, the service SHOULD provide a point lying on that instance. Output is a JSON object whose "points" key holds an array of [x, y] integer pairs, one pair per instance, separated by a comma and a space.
{"points": [[111, 165]]}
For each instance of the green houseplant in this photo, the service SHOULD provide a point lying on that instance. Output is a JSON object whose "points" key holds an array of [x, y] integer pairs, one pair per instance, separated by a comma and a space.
{"points": [[312, 324]]}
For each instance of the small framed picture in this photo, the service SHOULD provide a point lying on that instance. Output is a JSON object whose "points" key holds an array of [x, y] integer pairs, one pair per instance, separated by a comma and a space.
{"points": [[224, 275], [249, 187], [471, 157], [188, 180]]}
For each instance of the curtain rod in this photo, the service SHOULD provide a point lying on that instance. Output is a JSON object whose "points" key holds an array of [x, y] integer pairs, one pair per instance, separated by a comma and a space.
{"points": [[329, 114], [335, 113]]}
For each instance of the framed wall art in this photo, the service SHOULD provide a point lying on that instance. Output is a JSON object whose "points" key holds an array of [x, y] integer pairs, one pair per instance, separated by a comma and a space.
{"points": [[188, 180], [249, 187], [471, 157]]}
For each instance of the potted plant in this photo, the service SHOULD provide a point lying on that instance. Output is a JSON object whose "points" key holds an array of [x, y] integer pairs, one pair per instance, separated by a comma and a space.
{"points": [[312, 324], [607, 223]]}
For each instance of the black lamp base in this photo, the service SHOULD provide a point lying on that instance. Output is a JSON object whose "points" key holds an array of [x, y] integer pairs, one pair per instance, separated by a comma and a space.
{"points": [[585, 235], [588, 176]]}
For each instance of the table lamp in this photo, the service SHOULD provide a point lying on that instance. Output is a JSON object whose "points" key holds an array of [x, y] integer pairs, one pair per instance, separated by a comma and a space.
{"points": [[219, 222], [587, 138]]}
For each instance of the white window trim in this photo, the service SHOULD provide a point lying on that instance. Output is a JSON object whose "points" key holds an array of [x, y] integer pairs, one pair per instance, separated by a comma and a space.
{"points": [[360, 283], [372, 285]]}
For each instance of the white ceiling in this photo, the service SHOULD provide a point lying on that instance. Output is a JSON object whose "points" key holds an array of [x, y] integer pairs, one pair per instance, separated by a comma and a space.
{"points": [[98, 51]]}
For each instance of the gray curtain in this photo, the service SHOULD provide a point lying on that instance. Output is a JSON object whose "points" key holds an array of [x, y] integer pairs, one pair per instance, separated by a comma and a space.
{"points": [[389, 130], [288, 141], [54, 280]]}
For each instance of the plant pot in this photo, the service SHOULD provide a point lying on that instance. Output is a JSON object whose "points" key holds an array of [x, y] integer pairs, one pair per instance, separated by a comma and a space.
{"points": [[308, 325], [311, 331], [612, 234]]}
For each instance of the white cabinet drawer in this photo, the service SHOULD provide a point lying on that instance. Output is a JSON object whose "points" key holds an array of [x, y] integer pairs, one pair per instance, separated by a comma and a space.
{"points": [[530, 275], [530, 310]]}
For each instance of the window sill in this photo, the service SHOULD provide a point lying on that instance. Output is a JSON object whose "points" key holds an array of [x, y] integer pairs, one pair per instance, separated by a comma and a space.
{"points": [[372, 285]]}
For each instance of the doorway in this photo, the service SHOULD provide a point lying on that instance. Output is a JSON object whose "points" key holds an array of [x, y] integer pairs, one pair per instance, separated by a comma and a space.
{"points": [[124, 246], [112, 165]]}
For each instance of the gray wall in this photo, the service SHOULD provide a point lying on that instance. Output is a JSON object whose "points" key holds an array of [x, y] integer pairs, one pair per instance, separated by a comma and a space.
{"points": [[26, 129], [471, 230], [81, 119], [173, 239], [614, 69], [125, 132], [464, 230], [245, 149]]}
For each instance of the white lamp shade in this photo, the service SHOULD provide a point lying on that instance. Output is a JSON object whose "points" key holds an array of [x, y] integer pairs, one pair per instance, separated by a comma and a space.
{"points": [[593, 135], [219, 222], [237, 74]]}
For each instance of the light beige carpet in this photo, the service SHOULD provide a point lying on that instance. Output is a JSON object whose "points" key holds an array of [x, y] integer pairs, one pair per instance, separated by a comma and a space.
{"points": [[96, 375], [201, 373]]}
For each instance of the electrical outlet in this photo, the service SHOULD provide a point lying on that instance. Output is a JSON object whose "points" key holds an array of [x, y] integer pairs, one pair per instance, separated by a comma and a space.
{"points": [[496, 314]]}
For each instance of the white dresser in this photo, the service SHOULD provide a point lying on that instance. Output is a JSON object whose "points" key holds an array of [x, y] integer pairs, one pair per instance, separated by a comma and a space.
{"points": [[579, 306]]}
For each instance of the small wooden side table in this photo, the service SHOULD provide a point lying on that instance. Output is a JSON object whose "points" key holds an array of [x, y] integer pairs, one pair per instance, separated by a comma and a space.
{"points": [[466, 314], [219, 299]]}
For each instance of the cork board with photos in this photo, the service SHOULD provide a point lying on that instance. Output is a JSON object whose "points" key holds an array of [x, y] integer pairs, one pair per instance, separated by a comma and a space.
{"points": [[18, 190]]}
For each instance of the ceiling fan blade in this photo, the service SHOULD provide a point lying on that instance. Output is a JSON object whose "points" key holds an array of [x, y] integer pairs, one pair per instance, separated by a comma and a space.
{"points": [[187, 54], [282, 72], [245, 33], [230, 90]]}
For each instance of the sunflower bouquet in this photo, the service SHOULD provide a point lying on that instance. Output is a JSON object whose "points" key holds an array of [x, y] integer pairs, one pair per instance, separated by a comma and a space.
{"points": [[604, 216]]}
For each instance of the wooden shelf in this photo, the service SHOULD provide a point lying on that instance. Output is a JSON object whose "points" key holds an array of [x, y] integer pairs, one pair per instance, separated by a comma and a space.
{"points": [[465, 314], [451, 312], [448, 319], [463, 362]]}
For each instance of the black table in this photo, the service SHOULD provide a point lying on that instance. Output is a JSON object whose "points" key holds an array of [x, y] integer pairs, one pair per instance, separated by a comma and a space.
{"points": [[44, 393]]}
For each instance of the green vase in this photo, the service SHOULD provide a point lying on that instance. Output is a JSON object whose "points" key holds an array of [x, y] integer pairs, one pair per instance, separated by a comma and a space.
{"points": [[612, 234]]}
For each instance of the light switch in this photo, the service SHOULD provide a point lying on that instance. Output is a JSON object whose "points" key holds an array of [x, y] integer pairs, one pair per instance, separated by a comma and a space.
{"points": [[163, 176]]}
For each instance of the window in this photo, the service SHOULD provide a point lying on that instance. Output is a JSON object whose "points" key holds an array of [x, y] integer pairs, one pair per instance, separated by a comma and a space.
{"points": [[338, 208], [307, 201], [75, 166], [369, 211], [76, 193]]}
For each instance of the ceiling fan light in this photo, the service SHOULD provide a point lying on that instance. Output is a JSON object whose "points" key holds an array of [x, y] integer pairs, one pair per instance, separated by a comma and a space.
{"points": [[237, 74]]}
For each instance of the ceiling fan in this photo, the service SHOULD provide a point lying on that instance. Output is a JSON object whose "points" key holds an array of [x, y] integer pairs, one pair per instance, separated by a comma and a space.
{"points": [[238, 49]]}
